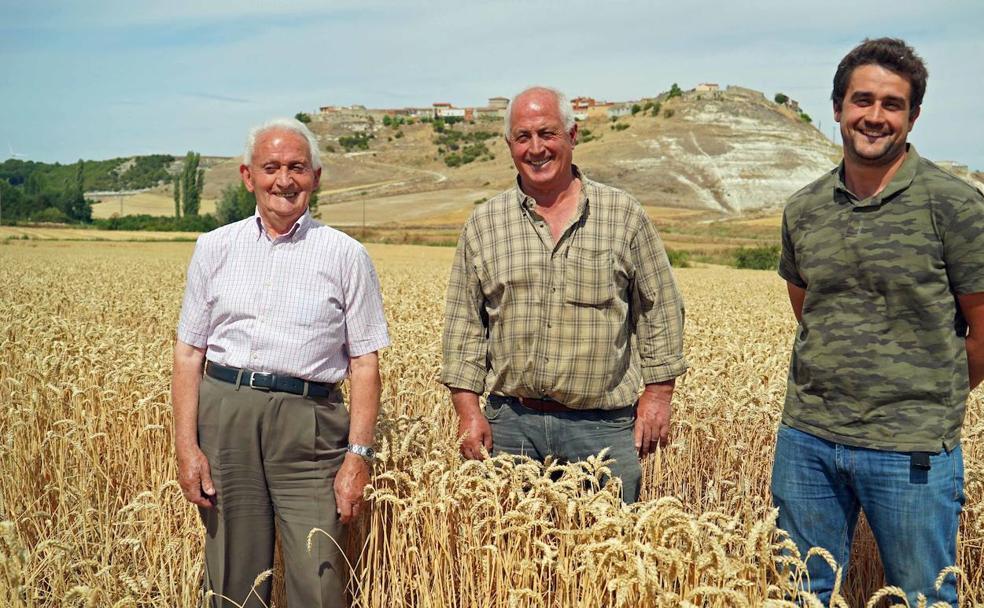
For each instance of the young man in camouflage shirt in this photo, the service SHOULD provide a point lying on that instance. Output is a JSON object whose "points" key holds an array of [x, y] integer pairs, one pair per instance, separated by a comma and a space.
{"points": [[885, 270]]}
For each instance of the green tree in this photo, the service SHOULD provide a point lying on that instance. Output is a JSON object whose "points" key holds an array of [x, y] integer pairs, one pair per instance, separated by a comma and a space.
{"points": [[636, 108], [78, 208], [235, 203], [192, 180], [303, 117], [176, 183], [674, 91], [805, 118], [781, 98]]}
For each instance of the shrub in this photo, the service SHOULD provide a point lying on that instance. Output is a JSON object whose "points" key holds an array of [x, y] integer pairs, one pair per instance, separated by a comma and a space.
{"points": [[678, 259], [668, 113], [758, 258], [781, 98]]}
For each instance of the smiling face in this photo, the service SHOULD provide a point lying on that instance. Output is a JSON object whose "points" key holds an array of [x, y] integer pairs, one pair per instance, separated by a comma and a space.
{"points": [[874, 117], [282, 177], [542, 149]]}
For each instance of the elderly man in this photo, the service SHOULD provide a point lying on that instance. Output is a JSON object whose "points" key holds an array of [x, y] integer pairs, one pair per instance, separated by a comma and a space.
{"points": [[278, 310], [561, 306], [885, 268]]}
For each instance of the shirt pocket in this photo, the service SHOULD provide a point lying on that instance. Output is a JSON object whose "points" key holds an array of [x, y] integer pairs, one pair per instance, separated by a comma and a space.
{"points": [[590, 279]]}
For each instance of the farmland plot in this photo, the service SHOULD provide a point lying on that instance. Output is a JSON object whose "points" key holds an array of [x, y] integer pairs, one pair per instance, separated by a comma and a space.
{"points": [[91, 514]]}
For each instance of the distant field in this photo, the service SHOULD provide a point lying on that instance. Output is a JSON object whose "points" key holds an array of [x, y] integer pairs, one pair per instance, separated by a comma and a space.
{"points": [[440, 207], [149, 203], [58, 233]]}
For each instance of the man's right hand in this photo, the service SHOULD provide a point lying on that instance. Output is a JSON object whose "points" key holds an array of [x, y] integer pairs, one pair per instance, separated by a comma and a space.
{"points": [[194, 477], [475, 433], [473, 428]]}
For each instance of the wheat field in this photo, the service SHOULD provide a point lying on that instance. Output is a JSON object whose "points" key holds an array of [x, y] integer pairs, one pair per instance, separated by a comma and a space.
{"points": [[91, 514]]}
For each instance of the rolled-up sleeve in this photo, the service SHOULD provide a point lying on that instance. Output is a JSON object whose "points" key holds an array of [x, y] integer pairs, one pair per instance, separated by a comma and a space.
{"points": [[195, 319], [657, 308], [465, 338], [365, 321]]}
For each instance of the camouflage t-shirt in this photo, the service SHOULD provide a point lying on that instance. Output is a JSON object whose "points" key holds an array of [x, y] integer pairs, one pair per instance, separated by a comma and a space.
{"points": [[879, 360]]}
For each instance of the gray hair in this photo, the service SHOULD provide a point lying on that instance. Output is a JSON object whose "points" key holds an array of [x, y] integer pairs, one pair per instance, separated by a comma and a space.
{"points": [[563, 107], [283, 124]]}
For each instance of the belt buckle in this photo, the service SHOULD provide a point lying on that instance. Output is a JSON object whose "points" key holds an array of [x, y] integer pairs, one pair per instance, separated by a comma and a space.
{"points": [[252, 376]]}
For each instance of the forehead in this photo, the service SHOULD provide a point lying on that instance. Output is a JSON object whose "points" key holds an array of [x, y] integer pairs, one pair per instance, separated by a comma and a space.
{"points": [[875, 79], [536, 111], [282, 145]]}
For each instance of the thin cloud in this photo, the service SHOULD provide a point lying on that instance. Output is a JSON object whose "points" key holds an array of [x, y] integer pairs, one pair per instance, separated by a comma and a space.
{"points": [[217, 97]]}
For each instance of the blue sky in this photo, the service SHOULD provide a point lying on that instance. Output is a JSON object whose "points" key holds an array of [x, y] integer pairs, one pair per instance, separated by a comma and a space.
{"points": [[107, 78]]}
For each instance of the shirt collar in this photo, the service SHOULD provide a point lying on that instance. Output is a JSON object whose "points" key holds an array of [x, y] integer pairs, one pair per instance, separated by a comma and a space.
{"points": [[296, 231], [900, 181], [527, 202]]}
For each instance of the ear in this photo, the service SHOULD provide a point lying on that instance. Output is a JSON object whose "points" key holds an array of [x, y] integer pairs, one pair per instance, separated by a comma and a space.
{"points": [[838, 107], [913, 117], [317, 179], [573, 134], [247, 177]]}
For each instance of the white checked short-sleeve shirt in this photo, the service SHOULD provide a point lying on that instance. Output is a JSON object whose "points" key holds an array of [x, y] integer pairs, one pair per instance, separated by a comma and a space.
{"points": [[298, 305]]}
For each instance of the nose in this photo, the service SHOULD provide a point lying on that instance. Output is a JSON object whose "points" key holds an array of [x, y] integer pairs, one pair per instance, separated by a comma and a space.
{"points": [[283, 176], [536, 144], [875, 113]]}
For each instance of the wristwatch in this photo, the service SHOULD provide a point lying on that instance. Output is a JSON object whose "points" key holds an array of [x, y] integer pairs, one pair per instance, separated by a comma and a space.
{"points": [[367, 453]]}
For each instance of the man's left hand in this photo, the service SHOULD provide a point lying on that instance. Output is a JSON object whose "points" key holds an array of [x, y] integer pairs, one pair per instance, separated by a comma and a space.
{"points": [[350, 481], [652, 426]]}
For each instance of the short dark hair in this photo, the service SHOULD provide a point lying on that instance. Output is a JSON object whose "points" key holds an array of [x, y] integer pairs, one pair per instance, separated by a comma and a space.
{"points": [[890, 53]]}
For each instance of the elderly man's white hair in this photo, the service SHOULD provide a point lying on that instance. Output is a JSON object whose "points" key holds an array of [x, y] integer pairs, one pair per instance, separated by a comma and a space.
{"points": [[563, 106], [283, 124]]}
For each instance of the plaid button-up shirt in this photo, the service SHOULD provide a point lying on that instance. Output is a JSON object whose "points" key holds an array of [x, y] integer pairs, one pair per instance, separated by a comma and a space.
{"points": [[585, 321], [298, 305]]}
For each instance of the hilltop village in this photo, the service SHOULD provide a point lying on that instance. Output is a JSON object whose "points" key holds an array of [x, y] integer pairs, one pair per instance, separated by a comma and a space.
{"points": [[359, 118]]}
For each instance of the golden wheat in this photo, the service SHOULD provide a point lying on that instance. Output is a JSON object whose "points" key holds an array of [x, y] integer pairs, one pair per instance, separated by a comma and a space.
{"points": [[91, 515]]}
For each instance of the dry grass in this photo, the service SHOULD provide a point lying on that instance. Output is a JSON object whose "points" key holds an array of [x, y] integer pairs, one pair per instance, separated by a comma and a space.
{"points": [[157, 202], [94, 518]]}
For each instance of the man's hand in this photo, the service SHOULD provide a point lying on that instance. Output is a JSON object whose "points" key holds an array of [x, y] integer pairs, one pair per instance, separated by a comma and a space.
{"points": [[652, 426], [350, 482], [477, 433], [472, 424], [194, 477]]}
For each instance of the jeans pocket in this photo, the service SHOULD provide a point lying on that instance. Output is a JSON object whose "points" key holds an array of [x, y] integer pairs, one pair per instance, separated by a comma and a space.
{"points": [[493, 407]]}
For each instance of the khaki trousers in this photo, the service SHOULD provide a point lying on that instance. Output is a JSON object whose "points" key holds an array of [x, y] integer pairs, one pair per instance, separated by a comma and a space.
{"points": [[273, 456]]}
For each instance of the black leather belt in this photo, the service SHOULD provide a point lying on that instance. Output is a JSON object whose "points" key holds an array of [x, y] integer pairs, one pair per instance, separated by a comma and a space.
{"points": [[263, 381]]}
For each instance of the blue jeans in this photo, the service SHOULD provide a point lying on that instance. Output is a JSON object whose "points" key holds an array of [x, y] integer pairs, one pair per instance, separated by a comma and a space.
{"points": [[569, 436], [819, 486]]}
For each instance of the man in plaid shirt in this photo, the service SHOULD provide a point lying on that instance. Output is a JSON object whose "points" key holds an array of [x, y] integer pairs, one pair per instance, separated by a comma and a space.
{"points": [[561, 305]]}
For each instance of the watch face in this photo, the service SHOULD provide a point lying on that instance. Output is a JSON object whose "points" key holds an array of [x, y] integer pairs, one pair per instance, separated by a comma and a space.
{"points": [[362, 450]]}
